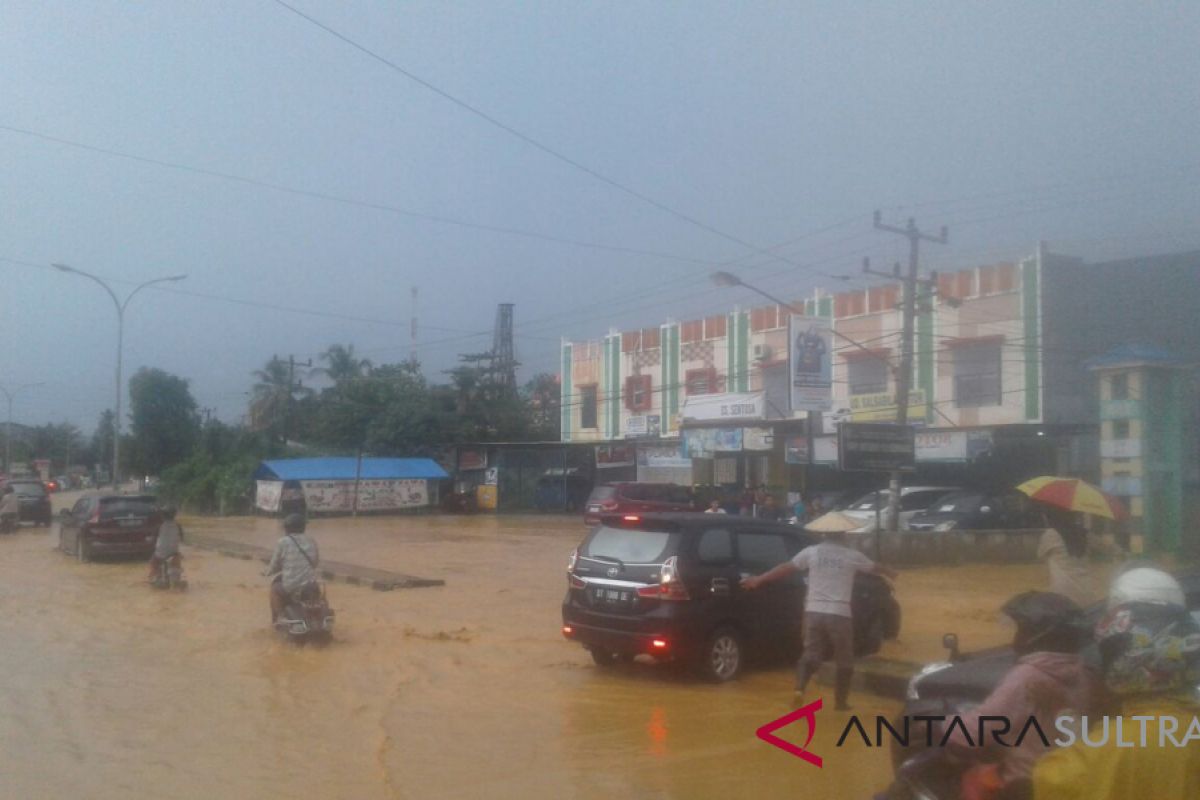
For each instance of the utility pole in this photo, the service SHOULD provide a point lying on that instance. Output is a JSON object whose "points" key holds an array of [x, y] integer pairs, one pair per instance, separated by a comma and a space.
{"points": [[287, 400], [412, 334], [904, 373]]}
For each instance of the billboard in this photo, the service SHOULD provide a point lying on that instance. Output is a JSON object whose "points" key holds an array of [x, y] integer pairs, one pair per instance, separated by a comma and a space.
{"points": [[876, 447], [881, 406], [810, 363]]}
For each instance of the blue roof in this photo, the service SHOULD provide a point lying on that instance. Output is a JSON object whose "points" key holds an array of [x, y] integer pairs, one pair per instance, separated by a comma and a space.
{"points": [[343, 469]]}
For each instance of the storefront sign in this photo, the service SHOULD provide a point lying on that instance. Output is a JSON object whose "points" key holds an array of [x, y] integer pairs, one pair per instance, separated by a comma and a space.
{"points": [[664, 456], [868, 447], [727, 406], [881, 407], [795, 449], [699, 442], [727, 440], [642, 425], [952, 446], [810, 363], [472, 459], [758, 439], [615, 455]]}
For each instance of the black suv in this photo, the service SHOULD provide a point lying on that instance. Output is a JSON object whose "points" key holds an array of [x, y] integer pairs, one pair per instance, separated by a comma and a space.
{"points": [[667, 585], [34, 499]]}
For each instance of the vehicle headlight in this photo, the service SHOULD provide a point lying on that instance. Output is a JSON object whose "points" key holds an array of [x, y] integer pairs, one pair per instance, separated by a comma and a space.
{"points": [[945, 526], [913, 691]]}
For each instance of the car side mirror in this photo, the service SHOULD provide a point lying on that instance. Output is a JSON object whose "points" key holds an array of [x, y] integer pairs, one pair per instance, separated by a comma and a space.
{"points": [[950, 642]]}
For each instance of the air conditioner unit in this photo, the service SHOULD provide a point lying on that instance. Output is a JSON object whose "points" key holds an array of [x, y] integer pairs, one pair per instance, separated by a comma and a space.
{"points": [[762, 352]]}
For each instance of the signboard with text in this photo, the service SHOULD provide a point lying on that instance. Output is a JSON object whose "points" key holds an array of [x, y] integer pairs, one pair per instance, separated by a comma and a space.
{"points": [[881, 406], [725, 406], [876, 447], [810, 363]]}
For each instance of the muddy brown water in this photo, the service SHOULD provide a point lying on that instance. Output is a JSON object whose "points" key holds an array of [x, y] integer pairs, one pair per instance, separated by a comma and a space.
{"points": [[111, 690]]}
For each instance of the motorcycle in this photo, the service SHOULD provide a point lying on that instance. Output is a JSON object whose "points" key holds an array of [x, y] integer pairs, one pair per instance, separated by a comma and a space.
{"points": [[168, 574], [306, 615]]}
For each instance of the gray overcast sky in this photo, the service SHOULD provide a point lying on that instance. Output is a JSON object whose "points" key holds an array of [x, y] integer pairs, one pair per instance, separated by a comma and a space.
{"points": [[1076, 123]]}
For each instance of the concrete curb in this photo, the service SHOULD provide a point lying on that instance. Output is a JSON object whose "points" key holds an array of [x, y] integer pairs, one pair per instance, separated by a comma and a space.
{"points": [[332, 571]]}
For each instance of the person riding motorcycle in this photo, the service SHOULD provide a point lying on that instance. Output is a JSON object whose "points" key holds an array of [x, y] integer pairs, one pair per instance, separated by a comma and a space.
{"points": [[293, 565], [1150, 650], [166, 547]]}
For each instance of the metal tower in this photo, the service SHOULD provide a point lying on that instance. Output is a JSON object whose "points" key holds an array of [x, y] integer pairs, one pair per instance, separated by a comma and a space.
{"points": [[504, 356]]}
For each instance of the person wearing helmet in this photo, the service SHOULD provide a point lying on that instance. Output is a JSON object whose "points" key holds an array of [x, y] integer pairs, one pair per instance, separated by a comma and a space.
{"points": [[293, 565], [1150, 652], [1049, 680], [166, 546]]}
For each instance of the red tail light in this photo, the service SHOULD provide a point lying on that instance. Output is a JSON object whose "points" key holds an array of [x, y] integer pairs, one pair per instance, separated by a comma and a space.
{"points": [[576, 582], [567, 630], [670, 586], [631, 518], [659, 644]]}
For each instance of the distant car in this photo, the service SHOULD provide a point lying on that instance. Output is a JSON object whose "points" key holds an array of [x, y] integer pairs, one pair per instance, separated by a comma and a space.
{"points": [[110, 524], [34, 499], [668, 586], [874, 505], [963, 681], [964, 511], [636, 498]]}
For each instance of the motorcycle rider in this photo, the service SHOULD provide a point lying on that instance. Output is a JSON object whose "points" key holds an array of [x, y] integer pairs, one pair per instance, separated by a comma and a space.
{"points": [[293, 565], [170, 536], [10, 510], [1150, 650]]}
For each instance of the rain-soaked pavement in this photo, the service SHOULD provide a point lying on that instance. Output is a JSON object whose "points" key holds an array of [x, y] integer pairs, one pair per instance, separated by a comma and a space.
{"points": [[113, 690]]}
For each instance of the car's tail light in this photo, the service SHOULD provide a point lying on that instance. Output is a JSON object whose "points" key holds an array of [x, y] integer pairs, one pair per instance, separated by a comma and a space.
{"points": [[576, 582], [659, 644], [567, 630], [631, 518], [670, 586], [571, 561]]}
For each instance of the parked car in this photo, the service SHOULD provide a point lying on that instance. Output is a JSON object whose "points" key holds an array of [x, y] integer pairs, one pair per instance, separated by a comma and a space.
{"points": [[636, 498], [109, 524], [34, 499], [964, 680], [978, 511], [668, 586], [913, 500]]}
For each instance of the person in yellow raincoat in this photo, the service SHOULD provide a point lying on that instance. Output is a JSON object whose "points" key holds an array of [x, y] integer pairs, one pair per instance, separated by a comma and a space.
{"points": [[1150, 647]]}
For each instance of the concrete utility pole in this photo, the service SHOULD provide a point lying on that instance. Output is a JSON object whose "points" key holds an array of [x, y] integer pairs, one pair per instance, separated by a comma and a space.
{"points": [[287, 401], [904, 374]]}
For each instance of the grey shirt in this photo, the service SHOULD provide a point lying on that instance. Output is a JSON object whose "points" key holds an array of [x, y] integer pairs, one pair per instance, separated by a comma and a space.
{"points": [[10, 504], [289, 561], [170, 535]]}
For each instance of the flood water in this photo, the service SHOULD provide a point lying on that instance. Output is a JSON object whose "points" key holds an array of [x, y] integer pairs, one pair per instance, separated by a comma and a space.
{"points": [[112, 690]]}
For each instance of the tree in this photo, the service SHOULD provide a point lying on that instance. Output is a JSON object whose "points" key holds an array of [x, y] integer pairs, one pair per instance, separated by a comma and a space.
{"points": [[273, 398], [543, 395], [341, 365], [163, 419], [100, 448]]}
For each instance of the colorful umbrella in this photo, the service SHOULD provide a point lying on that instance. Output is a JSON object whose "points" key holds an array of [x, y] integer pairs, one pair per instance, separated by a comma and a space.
{"points": [[1073, 494]]}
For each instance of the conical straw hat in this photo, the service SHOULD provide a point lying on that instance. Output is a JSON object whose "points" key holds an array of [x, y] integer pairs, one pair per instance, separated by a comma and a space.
{"points": [[833, 522]]}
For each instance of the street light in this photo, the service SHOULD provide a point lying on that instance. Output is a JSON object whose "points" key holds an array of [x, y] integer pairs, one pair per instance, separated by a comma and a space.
{"points": [[10, 394], [120, 306]]}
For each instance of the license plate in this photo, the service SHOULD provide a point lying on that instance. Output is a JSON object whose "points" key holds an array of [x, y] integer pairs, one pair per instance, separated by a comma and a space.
{"points": [[613, 596], [593, 508], [131, 523]]}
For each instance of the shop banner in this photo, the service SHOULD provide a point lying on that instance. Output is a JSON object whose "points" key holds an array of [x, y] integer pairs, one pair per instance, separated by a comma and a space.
{"points": [[952, 446], [725, 406], [881, 407], [642, 425], [727, 440], [795, 449], [267, 495], [472, 459], [665, 456], [758, 439], [615, 455], [700, 442], [810, 363], [373, 495]]}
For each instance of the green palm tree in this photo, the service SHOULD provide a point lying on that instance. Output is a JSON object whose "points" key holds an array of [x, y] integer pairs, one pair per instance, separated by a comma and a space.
{"points": [[341, 365], [274, 396]]}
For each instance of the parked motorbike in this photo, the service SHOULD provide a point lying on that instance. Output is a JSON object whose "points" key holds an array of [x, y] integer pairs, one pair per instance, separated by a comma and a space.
{"points": [[306, 616], [169, 574]]}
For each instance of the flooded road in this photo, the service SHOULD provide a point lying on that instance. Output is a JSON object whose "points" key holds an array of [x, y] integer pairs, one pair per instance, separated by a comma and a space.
{"points": [[111, 689]]}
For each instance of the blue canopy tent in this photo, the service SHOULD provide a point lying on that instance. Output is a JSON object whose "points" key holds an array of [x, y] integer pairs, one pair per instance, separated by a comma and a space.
{"points": [[348, 485]]}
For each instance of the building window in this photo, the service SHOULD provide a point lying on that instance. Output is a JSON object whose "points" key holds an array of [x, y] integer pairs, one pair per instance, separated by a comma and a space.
{"points": [[1120, 429], [637, 393], [701, 381], [977, 375], [1119, 387], [587, 406], [867, 375]]}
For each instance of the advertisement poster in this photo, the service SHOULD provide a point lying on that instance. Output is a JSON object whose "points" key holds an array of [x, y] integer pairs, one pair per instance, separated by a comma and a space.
{"points": [[614, 455], [665, 456], [727, 440], [699, 442], [810, 364], [758, 439], [795, 449], [373, 495], [267, 495]]}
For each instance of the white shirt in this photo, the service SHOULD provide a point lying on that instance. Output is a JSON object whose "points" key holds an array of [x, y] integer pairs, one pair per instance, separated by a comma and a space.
{"points": [[714, 511], [290, 561], [831, 570]]}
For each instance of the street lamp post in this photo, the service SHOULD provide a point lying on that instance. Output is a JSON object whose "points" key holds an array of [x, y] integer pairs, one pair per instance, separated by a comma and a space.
{"points": [[10, 394], [120, 306]]}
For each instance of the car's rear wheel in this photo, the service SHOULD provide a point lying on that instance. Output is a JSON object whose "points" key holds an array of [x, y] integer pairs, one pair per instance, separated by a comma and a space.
{"points": [[83, 551], [723, 655]]}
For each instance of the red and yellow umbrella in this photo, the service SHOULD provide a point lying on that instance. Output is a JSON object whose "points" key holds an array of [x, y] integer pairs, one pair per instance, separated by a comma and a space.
{"points": [[1073, 494]]}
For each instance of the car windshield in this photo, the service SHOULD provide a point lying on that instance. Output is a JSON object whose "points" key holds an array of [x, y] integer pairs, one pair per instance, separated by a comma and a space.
{"points": [[29, 489], [602, 493], [867, 502], [628, 545], [963, 503], [114, 506]]}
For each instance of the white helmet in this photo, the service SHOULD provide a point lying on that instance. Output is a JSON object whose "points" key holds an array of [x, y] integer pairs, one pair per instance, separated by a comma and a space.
{"points": [[1145, 585]]}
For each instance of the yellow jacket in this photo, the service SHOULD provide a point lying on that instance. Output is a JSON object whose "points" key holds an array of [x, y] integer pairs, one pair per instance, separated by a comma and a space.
{"points": [[1110, 772]]}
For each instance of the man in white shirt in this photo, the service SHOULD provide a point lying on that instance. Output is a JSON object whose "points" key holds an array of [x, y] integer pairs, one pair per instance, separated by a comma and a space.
{"points": [[714, 507], [828, 620]]}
